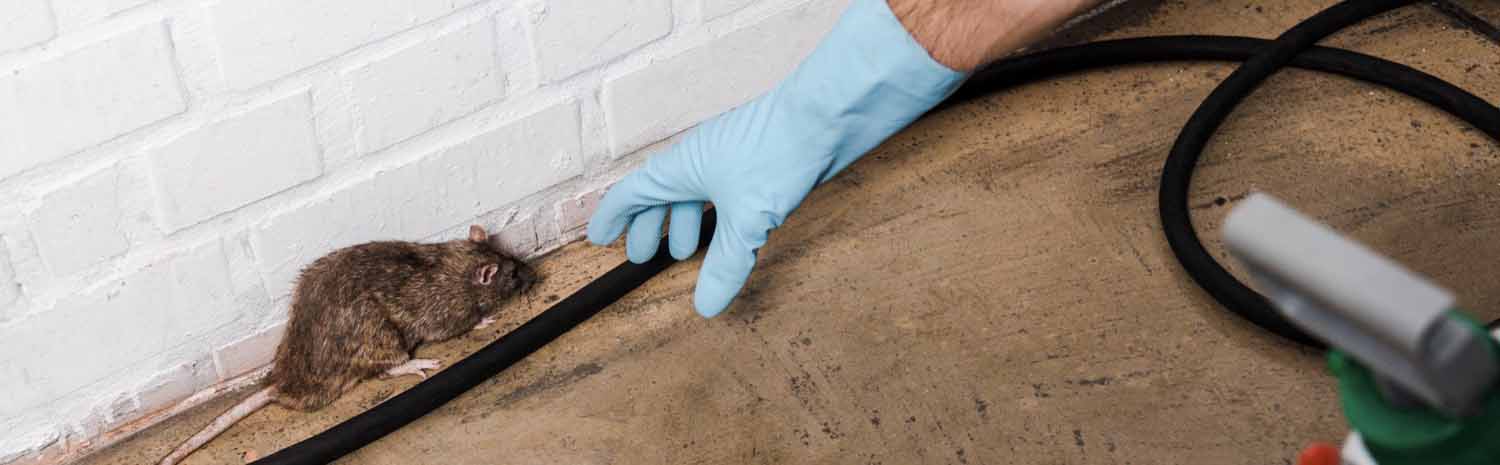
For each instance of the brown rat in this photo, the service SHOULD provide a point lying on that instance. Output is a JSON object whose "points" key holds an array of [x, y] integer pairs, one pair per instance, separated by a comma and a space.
{"points": [[359, 312]]}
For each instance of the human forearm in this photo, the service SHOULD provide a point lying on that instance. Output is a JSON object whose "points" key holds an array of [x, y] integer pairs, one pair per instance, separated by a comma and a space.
{"points": [[966, 34]]}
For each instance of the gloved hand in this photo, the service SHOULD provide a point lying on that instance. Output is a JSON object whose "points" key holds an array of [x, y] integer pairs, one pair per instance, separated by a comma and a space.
{"points": [[865, 81]]}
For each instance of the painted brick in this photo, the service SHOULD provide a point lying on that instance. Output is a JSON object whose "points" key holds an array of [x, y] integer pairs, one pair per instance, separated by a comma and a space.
{"points": [[519, 239], [574, 213], [82, 12], [11, 457], [55, 108], [575, 35], [80, 225], [164, 305], [203, 297], [524, 157], [676, 93], [547, 236], [716, 8], [50, 453], [248, 354], [235, 162], [177, 384], [23, 23], [426, 85], [424, 198], [9, 289], [84, 432], [252, 300], [27, 270], [261, 40], [122, 410]]}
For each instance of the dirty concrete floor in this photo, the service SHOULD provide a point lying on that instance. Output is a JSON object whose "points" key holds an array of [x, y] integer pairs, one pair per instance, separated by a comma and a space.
{"points": [[991, 286]]}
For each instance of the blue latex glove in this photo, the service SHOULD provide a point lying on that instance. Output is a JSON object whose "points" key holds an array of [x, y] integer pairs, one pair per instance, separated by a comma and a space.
{"points": [[866, 80]]}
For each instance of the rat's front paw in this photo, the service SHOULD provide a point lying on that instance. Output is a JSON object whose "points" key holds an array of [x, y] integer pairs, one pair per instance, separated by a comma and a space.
{"points": [[485, 323], [418, 366]]}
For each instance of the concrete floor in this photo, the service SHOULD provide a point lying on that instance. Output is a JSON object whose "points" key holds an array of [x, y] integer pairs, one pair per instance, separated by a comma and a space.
{"points": [[991, 286]]}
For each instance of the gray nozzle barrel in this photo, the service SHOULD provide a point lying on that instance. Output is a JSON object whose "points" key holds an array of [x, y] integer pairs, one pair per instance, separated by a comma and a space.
{"points": [[1394, 321]]}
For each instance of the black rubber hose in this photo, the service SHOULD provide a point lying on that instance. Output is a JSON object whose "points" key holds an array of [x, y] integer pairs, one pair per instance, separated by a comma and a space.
{"points": [[489, 361], [516, 345], [1176, 176]]}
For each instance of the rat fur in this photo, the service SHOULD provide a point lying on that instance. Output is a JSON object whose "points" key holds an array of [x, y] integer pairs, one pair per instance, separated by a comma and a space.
{"points": [[359, 312]]}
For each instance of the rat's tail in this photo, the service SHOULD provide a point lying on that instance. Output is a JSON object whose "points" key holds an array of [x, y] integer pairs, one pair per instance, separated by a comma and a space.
{"points": [[223, 422]]}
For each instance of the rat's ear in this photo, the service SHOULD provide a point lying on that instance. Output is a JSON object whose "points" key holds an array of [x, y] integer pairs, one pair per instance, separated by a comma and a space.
{"points": [[477, 234], [486, 274]]}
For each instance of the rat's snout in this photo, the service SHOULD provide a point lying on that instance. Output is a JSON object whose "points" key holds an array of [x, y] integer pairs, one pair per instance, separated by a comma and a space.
{"points": [[527, 276]]}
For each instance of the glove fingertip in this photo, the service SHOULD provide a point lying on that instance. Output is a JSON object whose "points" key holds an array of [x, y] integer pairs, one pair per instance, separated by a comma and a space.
{"points": [[614, 212], [725, 271], [645, 234], [636, 257], [684, 231], [710, 302], [680, 252], [604, 229]]}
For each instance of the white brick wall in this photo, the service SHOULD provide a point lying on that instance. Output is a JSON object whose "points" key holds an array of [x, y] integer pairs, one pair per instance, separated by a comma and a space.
{"points": [[580, 34], [92, 95], [426, 85], [267, 39], [231, 163], [25, 22], [77, 13], [163, 305], [78, 225], [666, 97], [9, 291], [170, 165], [717, 8]]}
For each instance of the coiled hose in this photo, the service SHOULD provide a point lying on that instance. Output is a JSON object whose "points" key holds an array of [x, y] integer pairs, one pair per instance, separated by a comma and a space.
{"points": [[1261, 59]]}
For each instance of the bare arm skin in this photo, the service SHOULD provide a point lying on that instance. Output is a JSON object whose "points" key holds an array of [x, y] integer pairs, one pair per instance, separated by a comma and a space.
{"points": [[967, 34]]}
